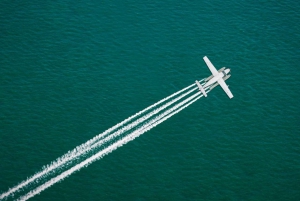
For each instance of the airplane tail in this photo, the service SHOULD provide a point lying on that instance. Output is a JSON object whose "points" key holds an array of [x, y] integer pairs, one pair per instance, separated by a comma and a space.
{"points": [[201, 88]]}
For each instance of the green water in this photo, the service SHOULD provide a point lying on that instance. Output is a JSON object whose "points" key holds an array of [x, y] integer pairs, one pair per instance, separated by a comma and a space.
{"points": [[71, 69]]}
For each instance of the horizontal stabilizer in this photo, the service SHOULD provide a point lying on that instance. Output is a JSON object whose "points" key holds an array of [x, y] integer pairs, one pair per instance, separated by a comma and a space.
{"points": [[201, 88]]}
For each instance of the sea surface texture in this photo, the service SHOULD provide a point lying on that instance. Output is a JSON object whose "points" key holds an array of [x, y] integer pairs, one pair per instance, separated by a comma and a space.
{"points": [[70, 70]]}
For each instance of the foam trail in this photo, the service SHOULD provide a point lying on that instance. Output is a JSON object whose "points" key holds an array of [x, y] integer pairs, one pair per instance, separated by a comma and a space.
{"points": [[133, 124], [117, 133], [114, 146], [133, 116], [61, 160]]}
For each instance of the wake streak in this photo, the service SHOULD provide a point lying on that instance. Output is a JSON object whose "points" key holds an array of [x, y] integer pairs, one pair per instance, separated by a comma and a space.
{"points": [[151, 124], [87, 146], [132, 125]]}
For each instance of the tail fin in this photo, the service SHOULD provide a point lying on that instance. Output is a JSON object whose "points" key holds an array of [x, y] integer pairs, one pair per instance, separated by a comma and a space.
{"points": [[201, 88]]}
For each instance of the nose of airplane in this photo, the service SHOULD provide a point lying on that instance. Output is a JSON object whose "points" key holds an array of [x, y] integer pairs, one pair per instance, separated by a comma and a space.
{"points": [[227, 71]]}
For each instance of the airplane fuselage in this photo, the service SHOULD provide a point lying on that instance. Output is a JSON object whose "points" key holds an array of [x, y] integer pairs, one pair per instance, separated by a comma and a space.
{"points": [[220, 75]]}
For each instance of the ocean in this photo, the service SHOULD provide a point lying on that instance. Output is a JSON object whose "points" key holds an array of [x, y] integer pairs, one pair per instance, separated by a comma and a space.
{"points": [[70, 70]]}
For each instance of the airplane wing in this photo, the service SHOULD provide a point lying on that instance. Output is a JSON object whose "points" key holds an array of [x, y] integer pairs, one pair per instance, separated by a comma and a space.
{"points": [[225, 87], [210, 66]]}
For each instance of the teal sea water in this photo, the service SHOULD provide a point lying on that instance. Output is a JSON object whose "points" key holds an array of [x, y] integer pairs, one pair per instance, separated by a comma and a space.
{"points": [[69, 70]]}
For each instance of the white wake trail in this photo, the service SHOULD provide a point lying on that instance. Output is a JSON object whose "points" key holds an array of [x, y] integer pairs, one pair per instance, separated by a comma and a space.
{"points": [[133, 124], [114, 146], [69, 155]]}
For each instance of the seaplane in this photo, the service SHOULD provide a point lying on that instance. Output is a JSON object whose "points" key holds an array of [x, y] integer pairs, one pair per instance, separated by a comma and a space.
{"points": [[217, 78]]}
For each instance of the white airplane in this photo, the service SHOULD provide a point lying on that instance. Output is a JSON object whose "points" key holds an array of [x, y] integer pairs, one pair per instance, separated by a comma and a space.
{"points": [[217, 77]]}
